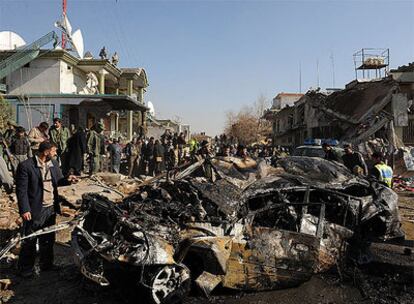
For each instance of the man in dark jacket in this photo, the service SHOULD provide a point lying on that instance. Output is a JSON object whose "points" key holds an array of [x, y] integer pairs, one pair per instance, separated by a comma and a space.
{"points": [[148, 154], [158, 159], [37, 180], [353, 159], [115, 152], [75, 151], [20, 145]]}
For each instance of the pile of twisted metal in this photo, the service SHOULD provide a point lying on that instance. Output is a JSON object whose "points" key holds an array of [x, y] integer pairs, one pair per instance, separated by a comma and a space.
{"points": [[232, 223]]}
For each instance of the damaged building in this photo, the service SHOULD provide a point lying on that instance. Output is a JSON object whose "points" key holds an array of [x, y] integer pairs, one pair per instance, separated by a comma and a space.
{"points": [[365, 109]]}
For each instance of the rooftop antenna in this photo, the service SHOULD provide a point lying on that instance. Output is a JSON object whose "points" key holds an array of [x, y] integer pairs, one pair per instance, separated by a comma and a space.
{"points": [[300, 77], [64, 5], [75, 39], [317, 73], [333, 69]]}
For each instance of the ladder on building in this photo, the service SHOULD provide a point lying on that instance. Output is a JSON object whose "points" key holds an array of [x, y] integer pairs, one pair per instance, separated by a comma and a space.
{"points": [[24, 55]]}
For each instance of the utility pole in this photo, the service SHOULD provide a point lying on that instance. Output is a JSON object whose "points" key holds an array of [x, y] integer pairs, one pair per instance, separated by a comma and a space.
{"points": [[300, 77], [317, 73], [333, 69], [64, 5]]}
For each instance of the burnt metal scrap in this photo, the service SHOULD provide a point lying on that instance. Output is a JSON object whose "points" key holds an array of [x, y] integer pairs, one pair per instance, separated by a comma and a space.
{"points": [[237, 228]]}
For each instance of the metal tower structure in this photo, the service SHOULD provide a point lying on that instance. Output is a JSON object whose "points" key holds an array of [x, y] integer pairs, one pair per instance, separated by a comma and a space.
{"points": [[64, 6], [371, 62]]}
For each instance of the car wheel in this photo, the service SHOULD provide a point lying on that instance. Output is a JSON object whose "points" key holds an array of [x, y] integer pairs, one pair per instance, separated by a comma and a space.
{"points": [[168, 284]]}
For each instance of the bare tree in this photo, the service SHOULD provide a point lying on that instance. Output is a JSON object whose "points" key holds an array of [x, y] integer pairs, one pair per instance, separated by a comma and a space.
{"points": [[261, 105], [247, 125]]}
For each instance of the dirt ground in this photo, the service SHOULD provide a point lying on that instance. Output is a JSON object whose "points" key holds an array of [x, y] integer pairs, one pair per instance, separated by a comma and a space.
{"points": [[67, 286], [406, 208]]}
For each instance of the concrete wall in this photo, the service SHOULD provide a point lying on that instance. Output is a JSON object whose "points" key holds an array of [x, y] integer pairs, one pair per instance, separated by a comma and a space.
{"points": [[41, 76], [282, 101], [46, 76], [403, 76], [72, 79]]}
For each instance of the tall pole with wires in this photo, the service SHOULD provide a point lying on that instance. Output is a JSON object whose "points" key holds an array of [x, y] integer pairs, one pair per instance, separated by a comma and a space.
{"points": [[64, 4], [300, 77], [333, 69]]}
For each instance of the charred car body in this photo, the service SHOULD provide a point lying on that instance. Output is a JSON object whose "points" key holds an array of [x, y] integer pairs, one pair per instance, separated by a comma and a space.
{"points": [[245, 227]]}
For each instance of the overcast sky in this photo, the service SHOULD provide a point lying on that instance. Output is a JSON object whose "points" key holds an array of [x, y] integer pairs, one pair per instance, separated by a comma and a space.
{"points": [[204, 58]]}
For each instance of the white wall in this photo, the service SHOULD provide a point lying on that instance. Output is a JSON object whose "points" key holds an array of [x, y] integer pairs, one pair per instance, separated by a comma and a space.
{"points": [[66, 79], [72, 80], [42, 76], [46, 76]]}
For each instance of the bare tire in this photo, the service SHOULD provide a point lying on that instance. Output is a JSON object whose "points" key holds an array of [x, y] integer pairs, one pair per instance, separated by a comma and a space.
{"points": [[168, 284]]}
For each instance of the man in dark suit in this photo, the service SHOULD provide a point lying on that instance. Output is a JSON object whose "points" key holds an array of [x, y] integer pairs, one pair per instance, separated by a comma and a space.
{"points": [[37, 181]]}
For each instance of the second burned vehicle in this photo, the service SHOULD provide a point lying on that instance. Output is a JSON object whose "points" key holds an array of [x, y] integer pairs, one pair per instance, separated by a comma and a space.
{"points": [[245, 227]]}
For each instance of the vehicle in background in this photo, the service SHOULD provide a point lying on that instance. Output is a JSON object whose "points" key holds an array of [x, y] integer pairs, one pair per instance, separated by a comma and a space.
{"points": [[314, 151], [313, 148]]}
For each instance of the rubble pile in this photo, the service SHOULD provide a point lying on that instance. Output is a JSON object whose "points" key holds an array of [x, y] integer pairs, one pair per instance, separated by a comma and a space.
{"points": [[9, 215], [234, 224], [111, 185], [5, 292], [9, 224]]}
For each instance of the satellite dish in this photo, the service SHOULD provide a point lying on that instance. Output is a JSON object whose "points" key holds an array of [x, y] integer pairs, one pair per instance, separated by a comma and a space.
{"points": [[151, 108], [64, 25], [10, 41], [77, 42], [75, 39]]}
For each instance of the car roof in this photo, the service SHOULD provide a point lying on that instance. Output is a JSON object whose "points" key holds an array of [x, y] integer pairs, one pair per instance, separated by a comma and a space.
{"points": [[317, 147], [309, 146]]}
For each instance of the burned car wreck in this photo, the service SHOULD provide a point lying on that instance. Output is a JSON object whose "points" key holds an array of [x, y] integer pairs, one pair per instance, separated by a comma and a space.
{"points": [[246, 226]]}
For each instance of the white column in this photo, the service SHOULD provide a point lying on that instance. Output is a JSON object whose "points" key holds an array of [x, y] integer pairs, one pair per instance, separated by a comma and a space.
{"points": [[102, 74], [130, 113]]}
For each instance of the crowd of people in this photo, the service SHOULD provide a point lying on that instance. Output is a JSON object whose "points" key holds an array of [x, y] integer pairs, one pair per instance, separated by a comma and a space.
{"points": [[90, 151]]}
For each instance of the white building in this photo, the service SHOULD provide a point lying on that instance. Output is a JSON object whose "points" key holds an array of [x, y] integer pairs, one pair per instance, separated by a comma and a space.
{"points": [[80, 91]]}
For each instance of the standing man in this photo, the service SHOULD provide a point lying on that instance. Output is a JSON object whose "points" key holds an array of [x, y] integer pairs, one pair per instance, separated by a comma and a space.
{"points": [[159, 152], [133, 152], [10, 131], [37, 135], [75, 151], [94, 147], [37, 181], [169, 155], [353, 159], [59, 136], [181, 142], [20, 146], [330, 154], [381, 172], [115, 152], [148, 154]]}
